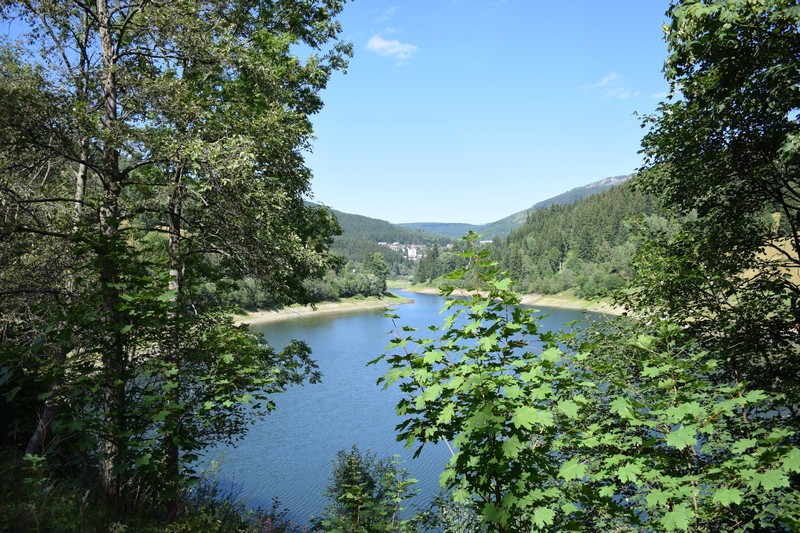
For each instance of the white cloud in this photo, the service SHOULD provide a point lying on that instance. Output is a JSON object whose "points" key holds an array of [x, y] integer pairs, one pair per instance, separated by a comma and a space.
{"points": [[389, 13], [611, 87], [610, 79], [621, 93], [401, 52]]}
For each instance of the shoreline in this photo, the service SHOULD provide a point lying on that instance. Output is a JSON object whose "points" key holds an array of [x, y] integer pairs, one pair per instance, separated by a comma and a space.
{"points": [[551, 300], [349, 305]]}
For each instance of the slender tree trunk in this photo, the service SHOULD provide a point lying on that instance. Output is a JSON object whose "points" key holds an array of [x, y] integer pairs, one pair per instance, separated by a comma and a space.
{"points": [[110, 258], [38, 441], [172, 450]]}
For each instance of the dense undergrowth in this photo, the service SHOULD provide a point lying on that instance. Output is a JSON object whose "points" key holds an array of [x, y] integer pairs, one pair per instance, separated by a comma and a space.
{"points": [[37, 496]]}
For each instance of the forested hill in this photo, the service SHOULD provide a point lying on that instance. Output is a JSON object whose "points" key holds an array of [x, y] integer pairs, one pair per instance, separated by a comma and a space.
{"points": [[450, 229], [506, 225], [375, 230], [361, 235], [585, 246]]}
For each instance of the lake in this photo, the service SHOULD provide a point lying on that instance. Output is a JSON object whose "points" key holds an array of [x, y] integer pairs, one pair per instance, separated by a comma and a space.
{"points": [[288, 455]]}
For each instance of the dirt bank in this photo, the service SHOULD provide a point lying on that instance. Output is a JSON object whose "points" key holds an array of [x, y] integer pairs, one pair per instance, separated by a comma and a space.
{"points": [[553, 300], [343, 306]]}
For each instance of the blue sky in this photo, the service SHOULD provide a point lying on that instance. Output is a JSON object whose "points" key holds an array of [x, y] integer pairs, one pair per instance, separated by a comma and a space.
{"points": [[471, 110]]}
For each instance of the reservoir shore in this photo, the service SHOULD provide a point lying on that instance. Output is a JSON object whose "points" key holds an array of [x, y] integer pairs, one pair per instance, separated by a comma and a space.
{"points": [[347, 305], [552, 300], [360, 304]]}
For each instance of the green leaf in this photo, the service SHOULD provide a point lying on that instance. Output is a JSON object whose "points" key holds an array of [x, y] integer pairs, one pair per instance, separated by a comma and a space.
{"points": [[621, 406], [143, 460], [446, 415], [680, 412], [9, 396], [551, 355], [503, 284], [392, 376], [727, 497], [432, 393], [657, 498], [569, 508], [494, 514], [629, 473], [512, 447], [755, 397], [161, 415], [678, 519], [682, 437], [608, 491], [526, 417], [569, 408], [488, 343], [769, 480], [455, 383], [743, 445], [433, 356], [43, 395], [791, 461], [645, 342], [572, 469], [543, 516], [167, 296], [650, 371], [512, 392]]}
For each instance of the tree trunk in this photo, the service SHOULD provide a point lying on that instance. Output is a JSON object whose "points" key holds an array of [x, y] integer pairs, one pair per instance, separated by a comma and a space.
{"points": [[110, 260], [38, 441], [171, 448]]}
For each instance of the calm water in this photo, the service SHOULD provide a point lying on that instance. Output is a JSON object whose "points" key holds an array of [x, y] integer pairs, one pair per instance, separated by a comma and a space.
{"points": [[288, 455]]}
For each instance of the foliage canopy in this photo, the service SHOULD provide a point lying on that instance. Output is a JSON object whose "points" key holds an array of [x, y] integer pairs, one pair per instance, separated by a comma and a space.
{"points": [[147, 149], [626, 425]]}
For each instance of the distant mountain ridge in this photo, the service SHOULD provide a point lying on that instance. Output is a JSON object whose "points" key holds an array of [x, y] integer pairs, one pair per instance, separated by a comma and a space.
{"points": [[376, 230], [505, 225], [453, 230]]}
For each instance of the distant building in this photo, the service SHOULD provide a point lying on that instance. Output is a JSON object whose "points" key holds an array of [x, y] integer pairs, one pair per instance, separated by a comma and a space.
{"points": [[412, 251]]}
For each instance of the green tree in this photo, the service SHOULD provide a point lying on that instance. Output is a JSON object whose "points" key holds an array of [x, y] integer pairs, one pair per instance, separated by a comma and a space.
{"points": [[169, 138], [377, 266], [585, 247], [723, 155], [426, 267], [366, 494], [626, 426]]}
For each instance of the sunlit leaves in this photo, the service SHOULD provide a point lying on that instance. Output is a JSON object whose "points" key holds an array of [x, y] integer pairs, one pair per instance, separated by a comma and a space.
{"points": [[623, 426], [529, 417], [366, 494], [186, 167], [569, 408], [727, 496], [543, 516], [572, 469], [678, 519], [681, 438], [484, 388]]}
